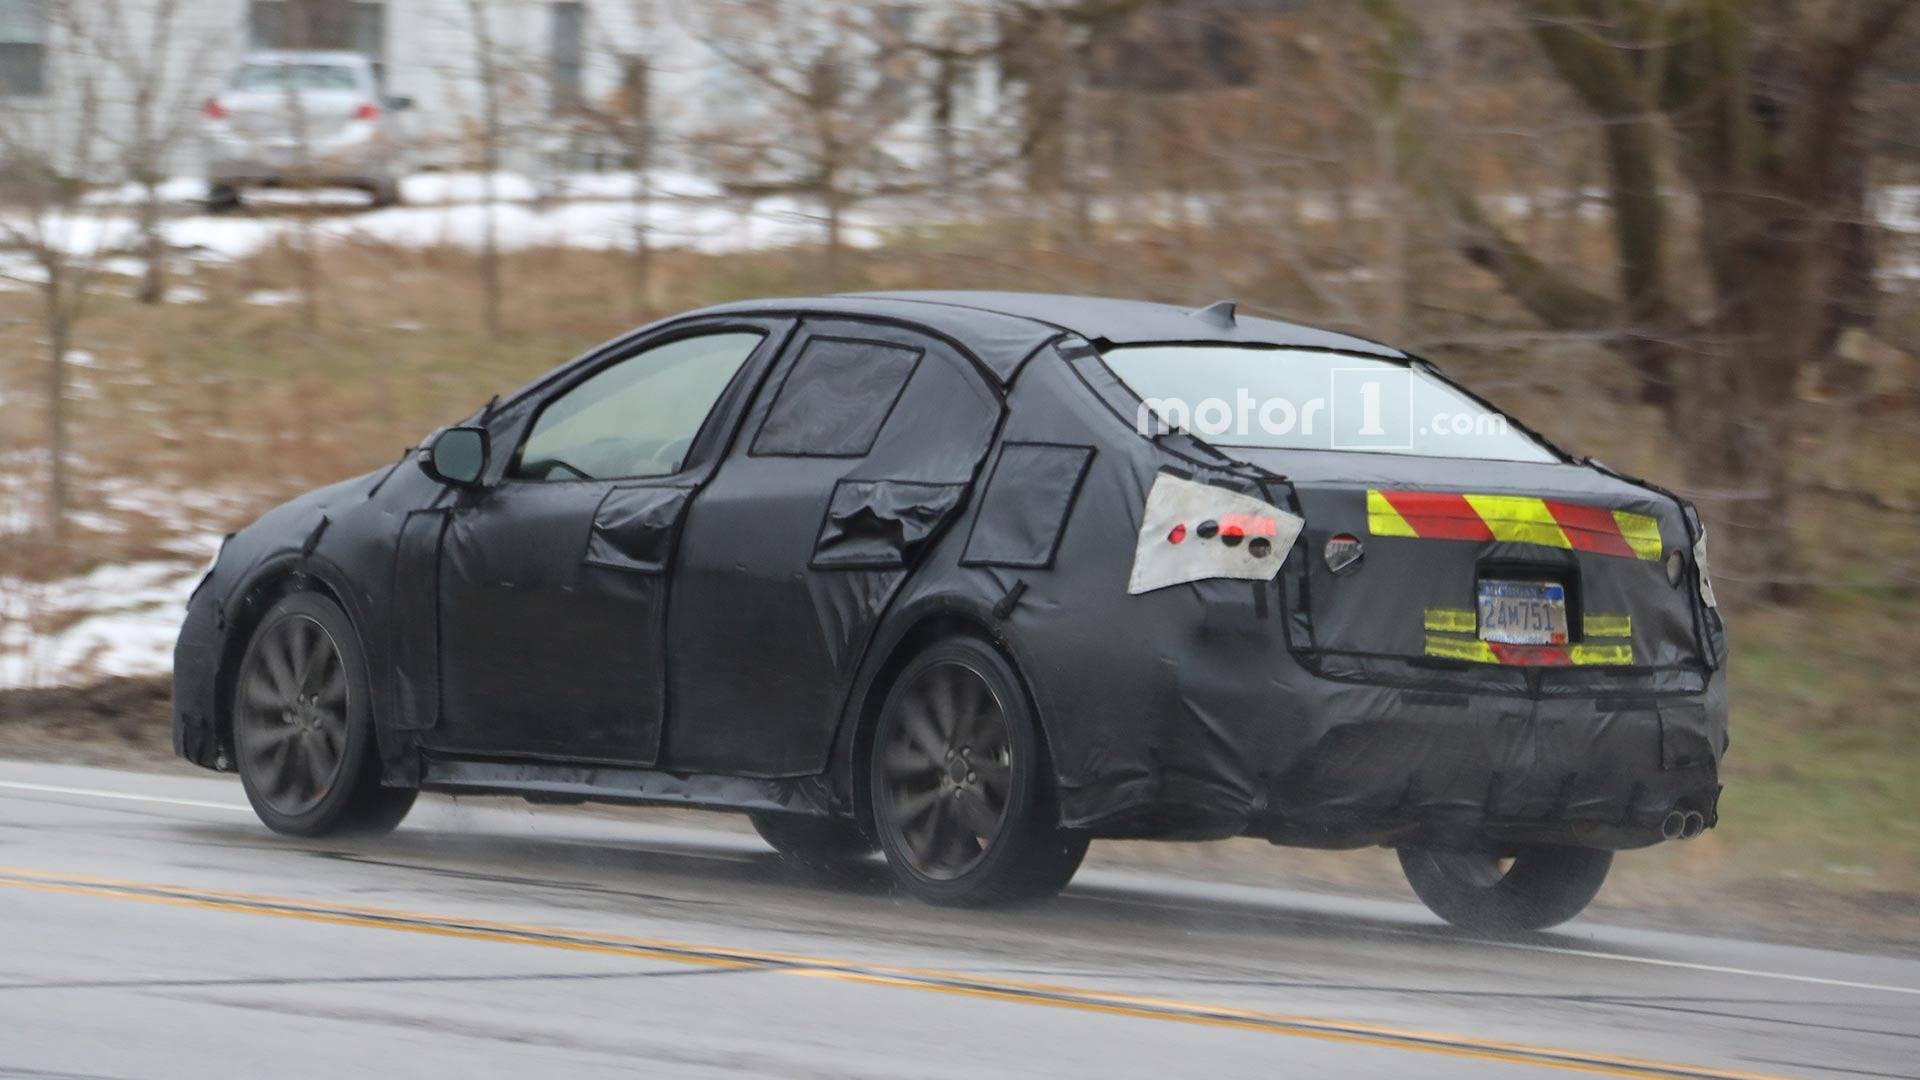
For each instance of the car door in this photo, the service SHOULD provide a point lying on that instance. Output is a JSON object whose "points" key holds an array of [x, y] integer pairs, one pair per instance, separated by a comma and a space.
{"points": [[553, 581], [858, 452]]}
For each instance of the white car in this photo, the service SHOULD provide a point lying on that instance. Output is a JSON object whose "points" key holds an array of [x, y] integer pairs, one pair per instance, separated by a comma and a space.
{"points": [[303, 119]]}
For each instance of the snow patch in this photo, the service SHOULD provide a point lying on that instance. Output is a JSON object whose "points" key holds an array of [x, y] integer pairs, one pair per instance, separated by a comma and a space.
{"points": [[114, 620]]}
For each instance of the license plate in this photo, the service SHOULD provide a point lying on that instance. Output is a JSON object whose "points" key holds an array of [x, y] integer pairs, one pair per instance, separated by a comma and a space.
{"points": [[1523, 612]]}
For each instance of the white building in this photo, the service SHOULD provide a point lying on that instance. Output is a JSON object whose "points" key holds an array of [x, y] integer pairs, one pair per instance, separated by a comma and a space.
{"points": [[551, 55]]}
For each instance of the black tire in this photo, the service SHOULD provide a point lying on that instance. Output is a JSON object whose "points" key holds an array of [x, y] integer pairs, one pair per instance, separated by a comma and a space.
{"points": [[303, 736], [817, 845], [1544, 886], [961, 786]]}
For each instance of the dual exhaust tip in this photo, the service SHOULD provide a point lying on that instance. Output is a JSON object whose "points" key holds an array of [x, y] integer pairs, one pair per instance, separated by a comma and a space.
{"points": [[1683, 824]]}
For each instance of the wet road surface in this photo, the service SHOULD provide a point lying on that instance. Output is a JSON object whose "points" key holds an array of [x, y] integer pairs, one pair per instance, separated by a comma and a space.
{"points": [[150, 926]]}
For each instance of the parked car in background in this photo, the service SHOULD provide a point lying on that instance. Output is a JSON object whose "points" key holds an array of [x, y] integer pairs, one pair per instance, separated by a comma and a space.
{"points": [[303, 119]]}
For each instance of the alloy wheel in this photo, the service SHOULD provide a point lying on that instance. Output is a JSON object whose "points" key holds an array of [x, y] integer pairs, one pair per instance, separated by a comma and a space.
{"points": [[290, 715], [946, 770]]}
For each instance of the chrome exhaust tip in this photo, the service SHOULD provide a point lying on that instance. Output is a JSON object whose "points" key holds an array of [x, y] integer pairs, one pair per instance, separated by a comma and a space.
{"points": [[1674, 825], [1695, 824]]}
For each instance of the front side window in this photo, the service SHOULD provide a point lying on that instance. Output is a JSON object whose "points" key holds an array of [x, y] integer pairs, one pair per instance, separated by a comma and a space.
{"points": [[1303, 399], [637, 417]]}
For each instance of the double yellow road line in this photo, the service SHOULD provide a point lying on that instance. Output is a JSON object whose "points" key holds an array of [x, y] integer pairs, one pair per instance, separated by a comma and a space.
{"points": [[923, 979]]}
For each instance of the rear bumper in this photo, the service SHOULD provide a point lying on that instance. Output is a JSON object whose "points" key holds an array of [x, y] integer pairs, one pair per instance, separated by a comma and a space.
{"points": [[1464, 772], [235, 163], [1375, 764]]}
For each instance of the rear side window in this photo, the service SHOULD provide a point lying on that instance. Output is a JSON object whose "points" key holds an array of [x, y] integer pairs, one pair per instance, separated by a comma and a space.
{"points": [[836, 399]]}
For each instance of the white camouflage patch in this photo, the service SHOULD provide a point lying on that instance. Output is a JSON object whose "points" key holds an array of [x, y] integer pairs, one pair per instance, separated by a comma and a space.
{"points": [[1205, 517]]}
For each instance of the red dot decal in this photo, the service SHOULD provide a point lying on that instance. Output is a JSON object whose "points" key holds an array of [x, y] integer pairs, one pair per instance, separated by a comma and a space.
{"points": [[1178, 534]]}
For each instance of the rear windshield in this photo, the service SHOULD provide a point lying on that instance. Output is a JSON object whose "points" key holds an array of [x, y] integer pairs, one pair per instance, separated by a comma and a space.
{"points": [[296, 77], [1299, 399]]}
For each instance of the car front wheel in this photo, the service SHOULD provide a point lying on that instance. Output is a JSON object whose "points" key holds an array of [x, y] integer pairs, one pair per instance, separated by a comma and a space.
{"points": [[303, 726], [960, 785], [1536, 888]]}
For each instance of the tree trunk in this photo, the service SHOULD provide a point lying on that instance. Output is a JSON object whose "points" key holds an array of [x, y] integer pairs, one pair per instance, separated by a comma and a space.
{"points": [[834, 257], [490, 254], [153, 244], [1738, 416], [59, 342], [642, 263]]}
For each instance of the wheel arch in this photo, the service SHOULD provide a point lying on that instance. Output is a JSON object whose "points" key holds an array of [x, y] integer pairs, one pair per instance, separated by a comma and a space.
{"points": [[910, 633], [243, 610]]}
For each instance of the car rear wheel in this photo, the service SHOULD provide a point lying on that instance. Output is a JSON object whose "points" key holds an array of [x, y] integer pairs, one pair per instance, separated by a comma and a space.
{"points": [[1537, 888], [959, 784], [815, 844], [303, 726]]}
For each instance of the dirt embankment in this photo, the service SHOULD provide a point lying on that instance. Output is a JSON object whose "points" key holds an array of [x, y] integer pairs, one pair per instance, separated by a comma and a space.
{"points": [[122, 723]]}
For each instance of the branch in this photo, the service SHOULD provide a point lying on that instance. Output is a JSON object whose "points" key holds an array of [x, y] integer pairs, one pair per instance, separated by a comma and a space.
{"points": [[1551, 297], [1602, 75]]}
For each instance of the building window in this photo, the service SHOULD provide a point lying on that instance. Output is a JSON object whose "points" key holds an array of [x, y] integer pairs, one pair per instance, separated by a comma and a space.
{"points": [[267, 24], [23, 48], [358, 26], [566, 48]]}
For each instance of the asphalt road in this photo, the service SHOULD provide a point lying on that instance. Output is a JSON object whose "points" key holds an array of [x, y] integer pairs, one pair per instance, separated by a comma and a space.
{"points": [[149, 926]]}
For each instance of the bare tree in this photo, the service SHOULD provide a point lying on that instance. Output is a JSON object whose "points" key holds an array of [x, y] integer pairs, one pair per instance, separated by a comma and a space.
{"points": [[47, 152], [1757, 111], [489, 69], [834, 84], [625, 117], [154, 79]]}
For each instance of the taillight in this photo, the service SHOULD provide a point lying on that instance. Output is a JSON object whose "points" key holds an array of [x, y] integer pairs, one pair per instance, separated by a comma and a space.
{"points": [[368, 111], [1191, 531], [213, 110]]}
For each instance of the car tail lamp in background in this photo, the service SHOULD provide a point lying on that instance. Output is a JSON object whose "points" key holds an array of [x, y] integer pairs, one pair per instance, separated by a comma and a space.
{"points": [[368, 111], [1191, 531], [213, 110]]}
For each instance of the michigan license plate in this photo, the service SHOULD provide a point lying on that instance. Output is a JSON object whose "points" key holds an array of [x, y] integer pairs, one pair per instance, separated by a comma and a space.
{"points": [[1523, 612]]}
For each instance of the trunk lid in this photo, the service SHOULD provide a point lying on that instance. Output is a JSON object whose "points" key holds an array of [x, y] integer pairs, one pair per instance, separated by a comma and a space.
{"points": [[1435, 532], [290, 117]]}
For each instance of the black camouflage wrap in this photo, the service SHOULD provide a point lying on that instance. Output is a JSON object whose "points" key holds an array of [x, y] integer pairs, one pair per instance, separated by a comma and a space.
{"points": [[722, 637]]}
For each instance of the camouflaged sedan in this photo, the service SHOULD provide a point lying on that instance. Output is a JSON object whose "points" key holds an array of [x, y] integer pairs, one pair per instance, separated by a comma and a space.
{"points": [[976, 578]]}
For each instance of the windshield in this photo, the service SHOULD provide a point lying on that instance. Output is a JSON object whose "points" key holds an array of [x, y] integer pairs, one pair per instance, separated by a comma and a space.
{"points": [[1301, 399], [296, 77]]}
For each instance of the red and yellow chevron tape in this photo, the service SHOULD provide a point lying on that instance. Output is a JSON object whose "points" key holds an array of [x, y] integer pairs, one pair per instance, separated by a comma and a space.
{"points": [[1520, 519]]}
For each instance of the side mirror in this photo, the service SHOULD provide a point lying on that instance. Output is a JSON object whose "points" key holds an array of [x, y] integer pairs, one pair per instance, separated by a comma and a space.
{"points": [[397, 103], [458, 456]]}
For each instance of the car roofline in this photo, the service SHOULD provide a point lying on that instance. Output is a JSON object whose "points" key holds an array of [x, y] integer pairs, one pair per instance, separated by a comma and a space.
{"points": [[1105, 320]]}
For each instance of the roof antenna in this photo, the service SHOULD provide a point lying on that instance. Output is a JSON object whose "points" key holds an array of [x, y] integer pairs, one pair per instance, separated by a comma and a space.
{"points": [[1217, 314]]}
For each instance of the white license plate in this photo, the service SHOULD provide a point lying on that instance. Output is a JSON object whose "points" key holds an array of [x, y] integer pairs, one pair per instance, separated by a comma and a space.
{"points": [[1523, 612]]}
